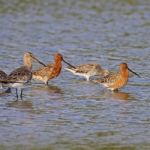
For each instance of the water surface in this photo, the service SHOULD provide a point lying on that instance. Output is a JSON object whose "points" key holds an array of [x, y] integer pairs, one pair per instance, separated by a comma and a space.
{"points": [[71, 113]]}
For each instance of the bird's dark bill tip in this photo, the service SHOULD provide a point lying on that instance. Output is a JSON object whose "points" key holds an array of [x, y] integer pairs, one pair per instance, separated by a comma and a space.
{"points": [[69, 64], [134, 72]]}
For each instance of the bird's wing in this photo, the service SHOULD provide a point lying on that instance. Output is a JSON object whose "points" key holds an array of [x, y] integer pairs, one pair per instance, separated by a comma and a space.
{"points": [[43, 70], [110, 78], [19, 74], [85, 68]]}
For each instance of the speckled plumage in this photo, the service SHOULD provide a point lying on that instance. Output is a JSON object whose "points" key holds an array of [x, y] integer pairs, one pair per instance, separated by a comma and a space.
{"points": [[113, 81], [116, 80], [88, 70], [21, 75], [2, 74], [50, 71]]}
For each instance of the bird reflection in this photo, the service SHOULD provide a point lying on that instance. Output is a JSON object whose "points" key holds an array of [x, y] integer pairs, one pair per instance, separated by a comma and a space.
{"points": [[50, 89], [120, 95], [22, 105], [5, 92]]}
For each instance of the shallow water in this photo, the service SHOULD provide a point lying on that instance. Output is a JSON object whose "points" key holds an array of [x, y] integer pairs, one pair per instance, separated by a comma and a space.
{"points": [[71, 113]]}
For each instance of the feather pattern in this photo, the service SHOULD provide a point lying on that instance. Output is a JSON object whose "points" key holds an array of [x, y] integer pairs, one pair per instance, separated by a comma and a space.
{"points": [[18, 77], [51, 70], [2, 74], [22, 74], [88, 70], [115, 80]]}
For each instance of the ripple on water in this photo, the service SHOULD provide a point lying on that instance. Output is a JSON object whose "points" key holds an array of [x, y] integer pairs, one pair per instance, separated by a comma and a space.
{"points": [[71, 113]]}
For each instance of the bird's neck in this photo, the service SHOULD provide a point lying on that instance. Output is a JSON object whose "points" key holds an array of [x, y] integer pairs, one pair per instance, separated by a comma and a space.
{"points": [[57, 67], [27, 63], [124, 74]]}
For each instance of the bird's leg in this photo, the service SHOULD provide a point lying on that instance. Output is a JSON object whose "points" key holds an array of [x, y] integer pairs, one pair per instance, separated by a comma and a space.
{"points": [[1, 86], [87, 78], [21, 93], [46, 83], [17, 93]]}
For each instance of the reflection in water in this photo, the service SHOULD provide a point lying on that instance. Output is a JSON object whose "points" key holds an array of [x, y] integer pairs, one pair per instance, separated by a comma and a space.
{"points": [[47, 88], [2, 93], [116, 95], [70, 116], [22, 105], [5, 91], [120, 95], [82, 81]]}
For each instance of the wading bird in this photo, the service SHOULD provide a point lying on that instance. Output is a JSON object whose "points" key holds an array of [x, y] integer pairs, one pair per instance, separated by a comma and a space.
{"points": [[3, 75], [88, 70], [50, 71], [116, 80], [22, 75]]}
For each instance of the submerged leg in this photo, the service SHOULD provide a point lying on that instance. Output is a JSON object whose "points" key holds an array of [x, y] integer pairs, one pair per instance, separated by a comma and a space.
{"points": [[46, 83], [21, 93], [1, 86], [17, 93]]}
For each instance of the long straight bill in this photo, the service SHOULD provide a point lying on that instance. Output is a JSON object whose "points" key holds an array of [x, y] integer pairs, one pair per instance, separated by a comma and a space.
{"points": [[39, 61], [69, 64], [134, 72]]}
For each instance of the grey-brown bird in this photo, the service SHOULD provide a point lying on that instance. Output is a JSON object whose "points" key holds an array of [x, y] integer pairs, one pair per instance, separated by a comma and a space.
{"points": [[22, 75], [87, 70], [3, 75]]}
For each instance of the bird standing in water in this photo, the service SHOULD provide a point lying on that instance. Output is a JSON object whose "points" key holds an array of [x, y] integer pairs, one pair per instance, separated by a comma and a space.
{"points": [[50, 71], [22, 75], [116, 80], [3, 75], [88, 70]]}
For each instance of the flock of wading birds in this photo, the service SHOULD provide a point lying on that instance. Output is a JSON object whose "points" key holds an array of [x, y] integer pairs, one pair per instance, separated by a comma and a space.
{"points": [[24, 74]]}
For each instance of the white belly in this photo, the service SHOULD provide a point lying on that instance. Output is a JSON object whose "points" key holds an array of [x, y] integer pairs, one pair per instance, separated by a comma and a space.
{"points": [[16, 85]]}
